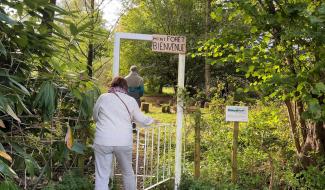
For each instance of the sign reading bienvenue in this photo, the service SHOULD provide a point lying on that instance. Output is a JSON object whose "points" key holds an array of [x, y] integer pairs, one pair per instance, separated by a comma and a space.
{"points": [[237, 113], [169, 44]]}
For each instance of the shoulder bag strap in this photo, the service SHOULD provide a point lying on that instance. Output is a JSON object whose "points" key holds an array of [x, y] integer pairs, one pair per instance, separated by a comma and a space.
{"points": [[124, 105]]}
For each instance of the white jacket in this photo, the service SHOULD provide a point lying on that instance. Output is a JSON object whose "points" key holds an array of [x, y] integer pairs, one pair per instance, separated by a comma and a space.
{"points": [[113, 123]]}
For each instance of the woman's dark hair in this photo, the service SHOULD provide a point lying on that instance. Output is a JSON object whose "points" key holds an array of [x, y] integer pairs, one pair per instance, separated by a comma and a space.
{"points": [[119, 82]]}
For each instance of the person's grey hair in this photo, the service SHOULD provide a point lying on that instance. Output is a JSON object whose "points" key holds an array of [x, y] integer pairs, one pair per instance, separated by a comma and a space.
{"points": [[134, 68]]}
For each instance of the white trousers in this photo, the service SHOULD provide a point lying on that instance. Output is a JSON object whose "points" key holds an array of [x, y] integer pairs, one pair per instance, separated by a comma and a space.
{"points": [[103, 165]]}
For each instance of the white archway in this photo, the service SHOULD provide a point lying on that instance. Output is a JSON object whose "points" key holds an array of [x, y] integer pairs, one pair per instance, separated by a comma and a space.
{"points": [[180, 83]]}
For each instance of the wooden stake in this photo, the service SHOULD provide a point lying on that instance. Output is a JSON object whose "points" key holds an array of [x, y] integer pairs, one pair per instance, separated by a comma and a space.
{"points": [[197, 153], [234, 169]]}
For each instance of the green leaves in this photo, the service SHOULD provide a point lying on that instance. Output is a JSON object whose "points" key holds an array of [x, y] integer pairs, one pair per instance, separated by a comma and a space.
{"points": [[12, 113], [57, 9], [8, 185], [314, 109], [3, 50], [86, 97], [46, 100], [30, 163], [73, 29], [6, 170], [6, 108], [315, 20], [30, 44], [253, 29], [87, 103], [5, 18], [84, 26], [21, 87], [319, 89], [78, 147], [217, 14]]}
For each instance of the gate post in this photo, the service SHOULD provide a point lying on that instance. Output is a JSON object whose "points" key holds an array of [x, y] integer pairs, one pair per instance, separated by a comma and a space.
{"points": [[116, 55], [179, 121]]}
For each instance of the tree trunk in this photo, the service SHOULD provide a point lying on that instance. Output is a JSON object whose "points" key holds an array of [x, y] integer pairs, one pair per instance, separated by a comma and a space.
{"points": [[303, 126], [90, 59], [293, 125], [313, 133], [47, 18], [207, 66], [315, 142], [90, 56], [160, 90]]}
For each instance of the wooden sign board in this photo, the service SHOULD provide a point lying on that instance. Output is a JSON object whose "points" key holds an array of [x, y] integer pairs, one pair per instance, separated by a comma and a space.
{"points": [[169, 44], [237, 113]]}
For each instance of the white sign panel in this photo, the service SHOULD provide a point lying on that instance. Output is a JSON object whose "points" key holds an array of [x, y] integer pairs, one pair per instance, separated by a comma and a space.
{"points": [[169, 44], [237, 113]]}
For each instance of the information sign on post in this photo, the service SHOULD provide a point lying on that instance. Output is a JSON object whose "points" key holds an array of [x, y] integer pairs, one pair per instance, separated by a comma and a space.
{"points": [[169, 44], [236, 114]]}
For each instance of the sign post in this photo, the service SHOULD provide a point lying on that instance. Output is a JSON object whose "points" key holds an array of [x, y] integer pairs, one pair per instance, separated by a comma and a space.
{"points": [[236, 114], [179, 121]]}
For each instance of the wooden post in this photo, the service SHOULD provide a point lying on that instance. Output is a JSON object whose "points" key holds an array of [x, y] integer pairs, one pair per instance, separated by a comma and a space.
{"points": [[197, 153], [145, 107], [165, 109], [234, 169]]}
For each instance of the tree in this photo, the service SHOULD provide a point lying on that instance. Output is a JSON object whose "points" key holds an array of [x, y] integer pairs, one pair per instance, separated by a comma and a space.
{"points": [[164, 17], [207, 66], [280, 45], [39, 85]]}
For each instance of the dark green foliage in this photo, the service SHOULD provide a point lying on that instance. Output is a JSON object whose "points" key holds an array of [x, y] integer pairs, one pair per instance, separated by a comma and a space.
{"points": [[8, 185], [46, 100], [40, 88], [264, 146], [278, 46], [6, 170], [312, 178], [189, 183], [72, 180]]}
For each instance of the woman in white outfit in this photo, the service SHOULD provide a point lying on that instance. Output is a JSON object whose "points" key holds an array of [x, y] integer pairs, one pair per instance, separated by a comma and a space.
{"points": [[113, 114]]}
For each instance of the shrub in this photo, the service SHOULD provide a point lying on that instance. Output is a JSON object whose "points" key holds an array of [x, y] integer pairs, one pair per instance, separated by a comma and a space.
{"points": [[72, 180], [312, 178], [189, 183], [8, 185]]}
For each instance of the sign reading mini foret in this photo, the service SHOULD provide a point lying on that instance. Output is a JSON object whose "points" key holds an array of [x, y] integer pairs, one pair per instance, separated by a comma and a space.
{"points": [[237, 113], [169, 44]]}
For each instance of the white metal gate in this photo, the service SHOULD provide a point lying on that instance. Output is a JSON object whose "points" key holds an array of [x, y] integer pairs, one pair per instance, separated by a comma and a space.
{"points": [[153, 155]]}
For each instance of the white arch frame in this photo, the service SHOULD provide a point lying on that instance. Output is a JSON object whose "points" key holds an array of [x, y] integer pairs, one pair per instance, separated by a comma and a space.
{"points": [[180, 86]]}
